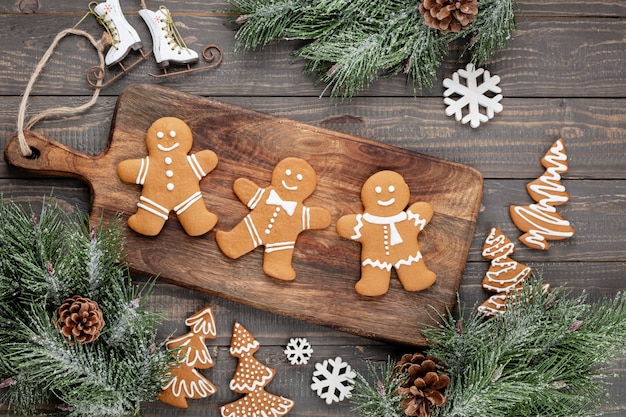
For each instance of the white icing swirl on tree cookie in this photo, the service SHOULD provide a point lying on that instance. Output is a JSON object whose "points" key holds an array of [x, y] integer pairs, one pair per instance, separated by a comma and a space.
{"points": [[540, 221]]}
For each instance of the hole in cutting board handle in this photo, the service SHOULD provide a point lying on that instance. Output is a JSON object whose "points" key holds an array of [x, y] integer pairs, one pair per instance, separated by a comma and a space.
{"points": [[36, 153]]}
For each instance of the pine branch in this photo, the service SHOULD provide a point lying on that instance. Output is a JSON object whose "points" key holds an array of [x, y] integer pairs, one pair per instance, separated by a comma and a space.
{"points": [[528, 364], [367, 41], [271, 20], [52, 257], [378, 396], [352, 43], [492, 29], [545, 356]]}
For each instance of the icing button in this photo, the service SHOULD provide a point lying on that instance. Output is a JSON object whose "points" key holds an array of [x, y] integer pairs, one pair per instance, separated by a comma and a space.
{"points": [[169, 173], [168, 160], [170, 186]]}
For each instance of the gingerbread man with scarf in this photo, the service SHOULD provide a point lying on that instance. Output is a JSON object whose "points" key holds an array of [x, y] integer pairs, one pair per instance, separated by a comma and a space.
{"points": [[278, 215], [388, 235]]}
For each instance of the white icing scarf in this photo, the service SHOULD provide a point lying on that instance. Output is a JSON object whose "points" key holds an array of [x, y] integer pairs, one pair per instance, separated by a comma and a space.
{"points": [[390, 221]]}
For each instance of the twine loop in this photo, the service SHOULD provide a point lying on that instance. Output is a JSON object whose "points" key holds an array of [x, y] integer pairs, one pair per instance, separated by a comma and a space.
{"points": [[99, 45]]}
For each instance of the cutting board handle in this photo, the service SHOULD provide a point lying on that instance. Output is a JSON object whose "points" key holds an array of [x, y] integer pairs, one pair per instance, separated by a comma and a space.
{"points": [[49, 157]]}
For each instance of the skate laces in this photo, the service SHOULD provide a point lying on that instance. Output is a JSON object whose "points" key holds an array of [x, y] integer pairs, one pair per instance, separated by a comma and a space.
{"points": [[107, 24], [172, 33]]}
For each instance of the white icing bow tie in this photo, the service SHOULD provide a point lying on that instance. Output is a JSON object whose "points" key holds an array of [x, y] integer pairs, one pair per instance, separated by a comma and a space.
{"points": [[275, 200]]}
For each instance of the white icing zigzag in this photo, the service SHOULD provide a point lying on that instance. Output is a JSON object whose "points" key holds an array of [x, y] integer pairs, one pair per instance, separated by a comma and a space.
{"points": [[504, 273], [540, 221]]}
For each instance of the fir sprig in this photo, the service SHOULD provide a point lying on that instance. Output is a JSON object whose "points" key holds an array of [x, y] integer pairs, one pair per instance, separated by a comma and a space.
{"points": [[378, 396], [352, 43], [545, 356], [47, 257], [492, 29]]}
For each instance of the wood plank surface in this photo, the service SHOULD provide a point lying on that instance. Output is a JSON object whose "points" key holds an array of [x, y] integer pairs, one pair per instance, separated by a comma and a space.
{"points": [[548, 8], [507, 147], [563, 75], [543, 58]]}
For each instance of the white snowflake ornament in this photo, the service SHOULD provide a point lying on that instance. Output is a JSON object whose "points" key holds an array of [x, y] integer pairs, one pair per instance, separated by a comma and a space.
{"points": [[298, 351], [472, 94], [333, 380]]}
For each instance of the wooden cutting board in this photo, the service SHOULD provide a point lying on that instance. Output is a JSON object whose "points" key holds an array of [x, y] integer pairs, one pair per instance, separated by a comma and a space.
{"points": [[249, 144]]}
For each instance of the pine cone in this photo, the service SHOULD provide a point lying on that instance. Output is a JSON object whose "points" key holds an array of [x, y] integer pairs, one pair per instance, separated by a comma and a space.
{"points": [[424, 386], [449, 15], [80, 319]]}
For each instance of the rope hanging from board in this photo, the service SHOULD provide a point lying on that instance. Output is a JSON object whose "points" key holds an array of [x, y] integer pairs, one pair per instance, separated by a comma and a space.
{"points": [[99, 45]]}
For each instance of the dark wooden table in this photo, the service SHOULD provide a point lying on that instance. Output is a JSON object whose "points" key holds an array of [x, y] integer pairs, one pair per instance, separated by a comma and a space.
{"points": [[563, 75]]}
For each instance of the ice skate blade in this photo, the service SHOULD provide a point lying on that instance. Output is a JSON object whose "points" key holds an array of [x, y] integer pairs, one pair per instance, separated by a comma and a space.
{"points": [[212, 54], [96, 73]]}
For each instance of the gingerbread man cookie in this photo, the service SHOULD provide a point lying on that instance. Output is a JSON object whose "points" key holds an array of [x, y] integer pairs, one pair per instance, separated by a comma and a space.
{"points": [[171, 180], [278, 216], [388, 235]]}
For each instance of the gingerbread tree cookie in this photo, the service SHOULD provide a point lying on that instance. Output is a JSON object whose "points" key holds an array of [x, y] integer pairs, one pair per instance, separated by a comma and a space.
{"points": [[250, 378], [388, 235], [540, 221], [170, 179], [186, 381], [505, 275], [278, 216]]}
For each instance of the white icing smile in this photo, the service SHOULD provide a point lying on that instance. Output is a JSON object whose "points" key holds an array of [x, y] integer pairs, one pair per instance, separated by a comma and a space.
{"points": [[171, 148], [293, 188], [386, 203]]}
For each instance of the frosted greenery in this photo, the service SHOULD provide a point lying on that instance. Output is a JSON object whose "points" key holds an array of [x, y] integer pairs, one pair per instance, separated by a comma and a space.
{"points": [[350, 44], [547, 356], [46, 257], [378, 396]]}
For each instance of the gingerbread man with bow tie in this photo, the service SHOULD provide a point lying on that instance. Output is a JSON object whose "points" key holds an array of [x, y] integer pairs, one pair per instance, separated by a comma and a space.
{"points": [[278, 215], [388, 235]]}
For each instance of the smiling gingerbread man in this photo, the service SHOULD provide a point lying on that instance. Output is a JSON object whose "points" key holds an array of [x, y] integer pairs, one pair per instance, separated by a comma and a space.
{"points": [[388, 235], [171, 180], [278, 216]]}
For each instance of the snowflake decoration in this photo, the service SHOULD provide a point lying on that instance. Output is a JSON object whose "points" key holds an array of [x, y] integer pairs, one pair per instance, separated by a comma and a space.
{"points": [[333, 380], [298, 351], [473, 95]]}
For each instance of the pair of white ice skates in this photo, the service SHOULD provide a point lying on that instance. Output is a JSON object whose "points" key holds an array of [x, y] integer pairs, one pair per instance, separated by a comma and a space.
{"points": [[167, 44]]}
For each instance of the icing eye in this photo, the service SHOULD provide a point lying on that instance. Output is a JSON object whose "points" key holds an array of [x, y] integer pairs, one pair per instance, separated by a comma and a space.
{"points": [[172, 134], [378, 189], [391, 188], [288, 172], [299, 177], [160, 135]]}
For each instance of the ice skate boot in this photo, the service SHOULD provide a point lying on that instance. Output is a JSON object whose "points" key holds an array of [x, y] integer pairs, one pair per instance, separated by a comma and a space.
{"points": [[167, 44], [123, 36]]}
